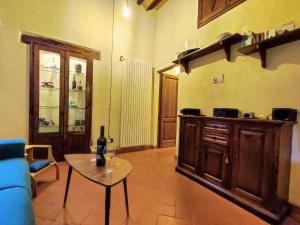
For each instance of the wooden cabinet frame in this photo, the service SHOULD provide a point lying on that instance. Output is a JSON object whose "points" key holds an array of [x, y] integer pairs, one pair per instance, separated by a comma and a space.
{"points": [[63, 141], [227, 5], [245, 160]]}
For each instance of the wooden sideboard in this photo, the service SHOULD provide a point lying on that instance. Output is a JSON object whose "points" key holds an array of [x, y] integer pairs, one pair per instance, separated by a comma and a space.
{"points": [[245, 160]]}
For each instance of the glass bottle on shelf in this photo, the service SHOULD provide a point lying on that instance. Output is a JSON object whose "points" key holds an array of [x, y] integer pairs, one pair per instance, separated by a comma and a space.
{"points": [[74, 83]]}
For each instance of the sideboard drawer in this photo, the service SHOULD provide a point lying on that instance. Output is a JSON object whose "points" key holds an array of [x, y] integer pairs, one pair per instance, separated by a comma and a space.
{"points": [[216, 127], [215, 138]]}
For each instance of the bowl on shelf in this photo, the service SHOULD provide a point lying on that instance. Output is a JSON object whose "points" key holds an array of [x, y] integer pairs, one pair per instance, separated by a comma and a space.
{"points": [[223, 36], [186, 52]]}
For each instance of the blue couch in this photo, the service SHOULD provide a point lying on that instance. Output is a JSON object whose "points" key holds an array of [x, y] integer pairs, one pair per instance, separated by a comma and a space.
{"points": [[15, 185]]}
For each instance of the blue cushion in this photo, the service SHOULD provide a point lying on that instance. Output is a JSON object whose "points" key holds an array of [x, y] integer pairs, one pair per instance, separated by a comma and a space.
{"points": [[12, 148], [14, 173], [16, 207], [38, 164]]}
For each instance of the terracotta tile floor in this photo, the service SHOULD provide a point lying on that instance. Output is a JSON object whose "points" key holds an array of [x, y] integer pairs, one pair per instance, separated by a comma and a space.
{"points": [[157, 196]]}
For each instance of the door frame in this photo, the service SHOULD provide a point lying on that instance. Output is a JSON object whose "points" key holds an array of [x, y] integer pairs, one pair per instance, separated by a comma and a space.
{"points": [[161, 72]]}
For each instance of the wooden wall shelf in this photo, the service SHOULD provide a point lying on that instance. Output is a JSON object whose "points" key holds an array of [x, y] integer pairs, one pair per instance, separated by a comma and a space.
{"points": [[263, 46], [224, 44]]}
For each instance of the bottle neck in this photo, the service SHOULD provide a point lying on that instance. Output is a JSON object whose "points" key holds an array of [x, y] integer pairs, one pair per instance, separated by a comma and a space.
{"points": [[102, 131]]}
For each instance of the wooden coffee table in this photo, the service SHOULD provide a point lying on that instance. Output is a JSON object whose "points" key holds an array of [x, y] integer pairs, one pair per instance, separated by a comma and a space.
{"points": [[85, 165]]}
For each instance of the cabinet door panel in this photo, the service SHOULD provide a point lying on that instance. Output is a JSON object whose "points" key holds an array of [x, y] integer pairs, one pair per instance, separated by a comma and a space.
{"points": [[77, 108], [214, 162], [46, 98], [189, 147], [209, 8], [251, 163]]}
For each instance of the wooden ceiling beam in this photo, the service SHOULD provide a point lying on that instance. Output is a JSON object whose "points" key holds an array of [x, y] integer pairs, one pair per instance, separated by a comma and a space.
{"points": [[153, 4], [140, 2]]}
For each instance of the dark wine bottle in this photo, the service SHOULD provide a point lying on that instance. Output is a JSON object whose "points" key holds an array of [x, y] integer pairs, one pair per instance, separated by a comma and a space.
{"points": [[101, 148], [74, 83]]}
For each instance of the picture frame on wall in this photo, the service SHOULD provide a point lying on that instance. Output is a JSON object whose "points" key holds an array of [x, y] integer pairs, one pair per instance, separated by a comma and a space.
{"points": [[209, 10]]}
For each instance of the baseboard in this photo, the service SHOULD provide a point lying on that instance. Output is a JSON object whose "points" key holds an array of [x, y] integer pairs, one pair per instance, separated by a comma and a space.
{"points": [[134, 148], [295, 213]]}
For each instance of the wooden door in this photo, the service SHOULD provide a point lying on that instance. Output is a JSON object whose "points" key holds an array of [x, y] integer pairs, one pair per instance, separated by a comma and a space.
{"points": [[168, 111], [77, 105], [215, 163], [189, 144], [47, 98], [252, 163]]}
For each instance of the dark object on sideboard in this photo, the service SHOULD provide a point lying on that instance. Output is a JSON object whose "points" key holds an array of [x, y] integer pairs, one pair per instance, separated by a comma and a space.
{"points": [[249, 115], [286, 114], [190, 111], [246, 161], [226, 112]]}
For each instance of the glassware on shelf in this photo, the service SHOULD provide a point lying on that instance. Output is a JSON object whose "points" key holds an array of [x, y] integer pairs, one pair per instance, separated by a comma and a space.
{"points": [[49, 71], [77, 94]]}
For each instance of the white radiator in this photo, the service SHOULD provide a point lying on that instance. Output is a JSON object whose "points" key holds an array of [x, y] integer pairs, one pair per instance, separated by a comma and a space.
{"points": [[136, 108]]}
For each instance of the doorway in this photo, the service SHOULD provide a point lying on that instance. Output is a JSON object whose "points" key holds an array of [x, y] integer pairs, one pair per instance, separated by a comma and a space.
{"points": [[167, 109]]}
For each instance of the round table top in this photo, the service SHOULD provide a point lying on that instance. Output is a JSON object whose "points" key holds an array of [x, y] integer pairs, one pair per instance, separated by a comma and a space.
{"points": [[85, 164]]}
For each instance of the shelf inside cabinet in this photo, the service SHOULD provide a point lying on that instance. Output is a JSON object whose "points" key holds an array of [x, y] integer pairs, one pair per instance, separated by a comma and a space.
{"points": [[73, 127], [77, 74], [49, 107], [50, 69], [76, 90], [77, 108], [48, 129], [224, 44], [263, 46], [48, 89]]}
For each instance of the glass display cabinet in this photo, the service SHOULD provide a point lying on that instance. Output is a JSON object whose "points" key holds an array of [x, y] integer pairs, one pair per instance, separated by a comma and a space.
{"points": [[60, 95]]}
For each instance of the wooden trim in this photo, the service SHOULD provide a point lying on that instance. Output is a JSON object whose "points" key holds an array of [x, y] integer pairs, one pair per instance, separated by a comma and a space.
{"points": [[295, 213], [153, 4], [28, 38], [134, 148], [226, 9], [167, 68], [31, 92], [139, 2], [159, 110]]}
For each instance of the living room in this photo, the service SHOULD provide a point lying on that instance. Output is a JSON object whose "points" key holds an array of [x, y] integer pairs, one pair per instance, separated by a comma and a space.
{"points": [[125, 57]]}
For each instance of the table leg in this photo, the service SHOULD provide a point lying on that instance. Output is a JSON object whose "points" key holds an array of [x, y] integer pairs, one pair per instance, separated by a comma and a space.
{"points": [[107, 204], [68, 184], [126, 196]]}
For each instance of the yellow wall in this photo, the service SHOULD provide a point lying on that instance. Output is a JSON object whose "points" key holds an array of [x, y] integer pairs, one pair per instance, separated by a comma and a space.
{"points": [[247, 86], [87, 23]]}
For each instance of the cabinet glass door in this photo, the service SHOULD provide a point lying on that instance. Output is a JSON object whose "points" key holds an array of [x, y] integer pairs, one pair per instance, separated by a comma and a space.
{"points": [[77, 94], [49, 90]]}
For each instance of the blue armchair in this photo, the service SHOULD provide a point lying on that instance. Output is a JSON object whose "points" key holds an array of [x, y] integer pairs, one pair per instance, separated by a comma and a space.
{"points": [[15, 186]]}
